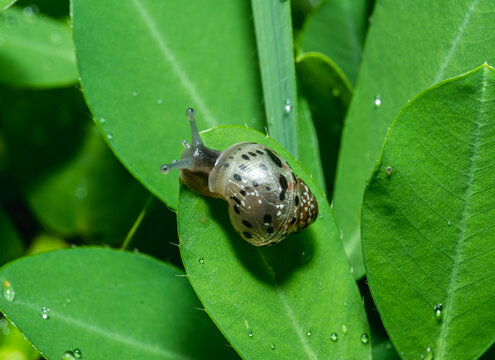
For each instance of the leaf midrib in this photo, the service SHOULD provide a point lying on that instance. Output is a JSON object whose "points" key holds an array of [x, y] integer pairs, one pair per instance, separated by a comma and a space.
{"points": [[288, 309], [464, 220], [175, 65]]}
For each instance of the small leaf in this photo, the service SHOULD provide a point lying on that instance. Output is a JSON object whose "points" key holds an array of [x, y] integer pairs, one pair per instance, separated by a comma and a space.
{"points": [[428, 221], [144, 62], [277, 302], [337, 29], [329, 94], [35, 50], [110, 305], [410, 46]]}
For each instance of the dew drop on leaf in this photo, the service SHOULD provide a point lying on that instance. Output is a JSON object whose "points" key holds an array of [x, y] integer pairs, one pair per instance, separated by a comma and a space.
{"points": [[334, 337], [438, 312], [250, 333], [377, 101], [8, 291], [344, 329], [68, 355], [428, 354], [365, 339], [201, 260], [287, 106], [78, 353], [45, 313], [308, 332]]}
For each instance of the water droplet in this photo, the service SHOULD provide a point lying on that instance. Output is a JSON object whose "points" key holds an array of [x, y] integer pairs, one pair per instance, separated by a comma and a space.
{"points": [[45, 313], [272, 346], [334, 337], [250, 333], [201, 260], [308, 332], [428, 355], [68, 355], [102, 120], [448, 222], [56, 37], [109, 136], [378, 101], [287, 106], [365, 339], [27, 11], [389, 170], [78, 353], [159, 101], [344, 329], [335, 92], [438, 312], [11, 21], [8, 291], [134, 93]]}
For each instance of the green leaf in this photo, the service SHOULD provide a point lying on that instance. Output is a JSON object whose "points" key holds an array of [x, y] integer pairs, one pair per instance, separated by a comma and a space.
{"points": [[277, 302], [110, 305], [144, 64], [35, 50], [272, 20], [428, 221], [84, 197], [337, 29], [329, 94], [309, 154], [11, 244], [4, 4], [410, 46]]}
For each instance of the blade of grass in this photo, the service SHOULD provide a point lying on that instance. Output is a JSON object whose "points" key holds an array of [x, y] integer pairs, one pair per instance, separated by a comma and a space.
{"points": [[273, 25]]}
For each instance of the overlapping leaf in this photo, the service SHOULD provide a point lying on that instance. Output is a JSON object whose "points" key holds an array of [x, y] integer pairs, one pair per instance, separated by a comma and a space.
{"points": [[108, 305], [429, 222], [410, 45]]}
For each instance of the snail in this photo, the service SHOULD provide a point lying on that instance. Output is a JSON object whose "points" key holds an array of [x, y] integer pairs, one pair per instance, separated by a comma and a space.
{"points": [[266, 200]]}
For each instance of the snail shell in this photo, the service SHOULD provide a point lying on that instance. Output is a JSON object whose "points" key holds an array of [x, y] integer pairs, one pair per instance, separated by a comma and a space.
{"points": [[266, 200]]}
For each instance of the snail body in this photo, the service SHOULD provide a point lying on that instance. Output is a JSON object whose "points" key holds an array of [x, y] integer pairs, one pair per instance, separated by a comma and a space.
{"points": [[266, 200]]}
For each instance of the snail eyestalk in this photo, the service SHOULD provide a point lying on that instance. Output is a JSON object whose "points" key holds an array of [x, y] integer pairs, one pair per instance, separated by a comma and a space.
{"points": [[176, 164], [195, 137]]}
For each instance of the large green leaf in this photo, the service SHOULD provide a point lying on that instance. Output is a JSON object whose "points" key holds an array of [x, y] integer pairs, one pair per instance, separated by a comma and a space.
{"points": [[35, 50], [278, 302], [410, 46], [337, 29], [272, 19], [110, 305], [143, 62], [428, 222]]}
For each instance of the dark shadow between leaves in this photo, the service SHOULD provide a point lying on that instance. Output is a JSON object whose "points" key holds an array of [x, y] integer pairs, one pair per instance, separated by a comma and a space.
{"points": [[271, 264]]}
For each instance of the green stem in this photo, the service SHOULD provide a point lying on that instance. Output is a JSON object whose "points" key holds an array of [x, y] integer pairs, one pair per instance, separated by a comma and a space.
{"points": [[273, 25], [135, 226]]}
